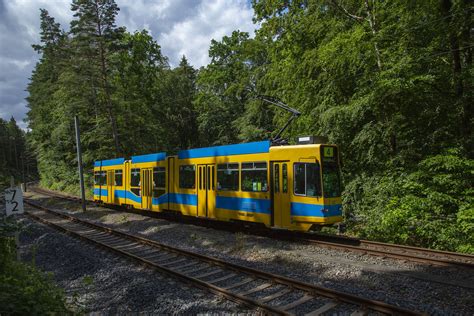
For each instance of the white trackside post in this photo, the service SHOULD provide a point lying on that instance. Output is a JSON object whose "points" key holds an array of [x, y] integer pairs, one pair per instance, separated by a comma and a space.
{"points": [[14, 206]]}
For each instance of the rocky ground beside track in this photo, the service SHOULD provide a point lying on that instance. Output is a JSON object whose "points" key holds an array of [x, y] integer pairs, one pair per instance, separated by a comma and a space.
{"points": [[377, 278], [97, 281]]}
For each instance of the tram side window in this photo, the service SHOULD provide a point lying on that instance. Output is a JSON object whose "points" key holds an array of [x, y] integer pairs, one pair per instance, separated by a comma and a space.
{"points": [[228, 177], [118, 178], [254, 177], [103, 177], [159, 177], [100, 178], [135, 177], [187, 176], [159, 181], [307, 179], [97, 178]]}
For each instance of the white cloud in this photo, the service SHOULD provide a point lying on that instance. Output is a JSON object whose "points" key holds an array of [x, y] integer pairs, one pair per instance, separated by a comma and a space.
{"points": [[186, 27], [181, 27], [212, 20], [20, 64]]}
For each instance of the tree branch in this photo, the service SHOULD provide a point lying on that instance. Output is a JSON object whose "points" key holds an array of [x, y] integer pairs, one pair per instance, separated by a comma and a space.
{"points": [[347, 13]]}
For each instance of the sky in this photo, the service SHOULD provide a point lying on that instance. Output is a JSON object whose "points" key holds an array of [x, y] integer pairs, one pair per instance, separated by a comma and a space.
{"points": [[181, 27]]}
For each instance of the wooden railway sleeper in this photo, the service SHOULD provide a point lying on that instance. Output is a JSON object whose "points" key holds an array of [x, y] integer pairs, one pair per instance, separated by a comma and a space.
{"points": [[208, 274], [259, 288], [223, 278], [323, 309], [152, 254], [165, 258], [276, 295], [162, 255], [175, 262], [238, 284], [191, 264], [305, 298], [197, 270]]}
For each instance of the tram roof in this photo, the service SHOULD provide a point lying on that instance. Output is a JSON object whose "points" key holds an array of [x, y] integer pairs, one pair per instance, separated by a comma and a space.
{"points": [[226, 150], [109, 162], [149, 158]]}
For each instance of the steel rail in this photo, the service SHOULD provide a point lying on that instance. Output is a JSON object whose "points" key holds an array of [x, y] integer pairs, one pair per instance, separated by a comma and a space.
{"points": [[401, 252], [311, 291]]}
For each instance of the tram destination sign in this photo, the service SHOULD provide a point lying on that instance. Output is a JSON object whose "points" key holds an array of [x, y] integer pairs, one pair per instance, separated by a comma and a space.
{"points": [[329, 154]]}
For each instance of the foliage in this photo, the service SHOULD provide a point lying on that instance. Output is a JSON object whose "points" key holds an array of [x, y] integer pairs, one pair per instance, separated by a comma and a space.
{"points": [[15, 158], [227, 111], [431, 206], [25, 290]]}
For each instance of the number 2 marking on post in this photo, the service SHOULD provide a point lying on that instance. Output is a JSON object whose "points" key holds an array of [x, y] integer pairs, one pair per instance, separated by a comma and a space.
{"points": [[14, 202]]}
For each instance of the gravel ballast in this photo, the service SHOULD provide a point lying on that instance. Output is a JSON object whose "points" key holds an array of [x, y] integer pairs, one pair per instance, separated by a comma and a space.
{"points": [[98, 281], [383, 279]]}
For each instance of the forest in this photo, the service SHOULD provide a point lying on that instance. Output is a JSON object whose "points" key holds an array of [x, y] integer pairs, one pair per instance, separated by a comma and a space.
{"points": [[16, 158], [390, 82]]}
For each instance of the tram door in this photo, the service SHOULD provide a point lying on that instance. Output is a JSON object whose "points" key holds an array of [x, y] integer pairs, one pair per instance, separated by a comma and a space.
{"points": [[281, 198], [110, 186], [146, 187], [206, 190]]}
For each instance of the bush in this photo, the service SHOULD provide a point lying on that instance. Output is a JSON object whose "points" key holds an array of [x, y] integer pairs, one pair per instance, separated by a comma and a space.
{"points": [[431, 206], [24, 290]]}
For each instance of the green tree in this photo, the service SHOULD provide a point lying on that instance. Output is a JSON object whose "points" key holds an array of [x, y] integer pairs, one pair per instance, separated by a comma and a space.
{"points": [[177, 93], [95, 39], [141, 71], [15, 158], [47, 117], [225, 101]]}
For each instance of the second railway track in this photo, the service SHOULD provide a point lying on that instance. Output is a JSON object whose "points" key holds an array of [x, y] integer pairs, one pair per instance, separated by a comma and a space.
{"points": [[270, 293], [401, 252]]}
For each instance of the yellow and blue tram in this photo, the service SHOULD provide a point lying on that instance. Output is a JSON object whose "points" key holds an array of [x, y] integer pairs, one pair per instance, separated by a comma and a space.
{"points": [[295, 187]]}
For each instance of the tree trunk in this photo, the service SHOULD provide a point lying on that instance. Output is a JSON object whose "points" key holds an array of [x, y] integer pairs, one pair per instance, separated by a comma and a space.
{"points": [[468, 98], [461, 87], [373, 27], [105, 85]]}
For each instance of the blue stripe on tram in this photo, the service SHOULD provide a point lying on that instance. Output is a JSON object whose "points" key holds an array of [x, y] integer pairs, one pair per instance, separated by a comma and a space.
{"points": [[262, 206], [101, 192], [316, 210]]}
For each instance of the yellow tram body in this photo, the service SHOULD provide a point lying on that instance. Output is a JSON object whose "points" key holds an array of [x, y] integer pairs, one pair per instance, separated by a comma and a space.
{"points": [[290, 187]]}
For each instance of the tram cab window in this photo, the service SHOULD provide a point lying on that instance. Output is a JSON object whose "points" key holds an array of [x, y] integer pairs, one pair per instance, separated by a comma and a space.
{"points": [[187, 177], [331, 181], [118, 178], [331, 177], [159, 181], [135, 177], [254, 177], [307, 179], [228, 177]]}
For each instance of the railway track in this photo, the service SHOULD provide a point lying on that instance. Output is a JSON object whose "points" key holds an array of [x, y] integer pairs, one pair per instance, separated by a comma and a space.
{"points": [[269, 293], [401, 252], [406, 253]]}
